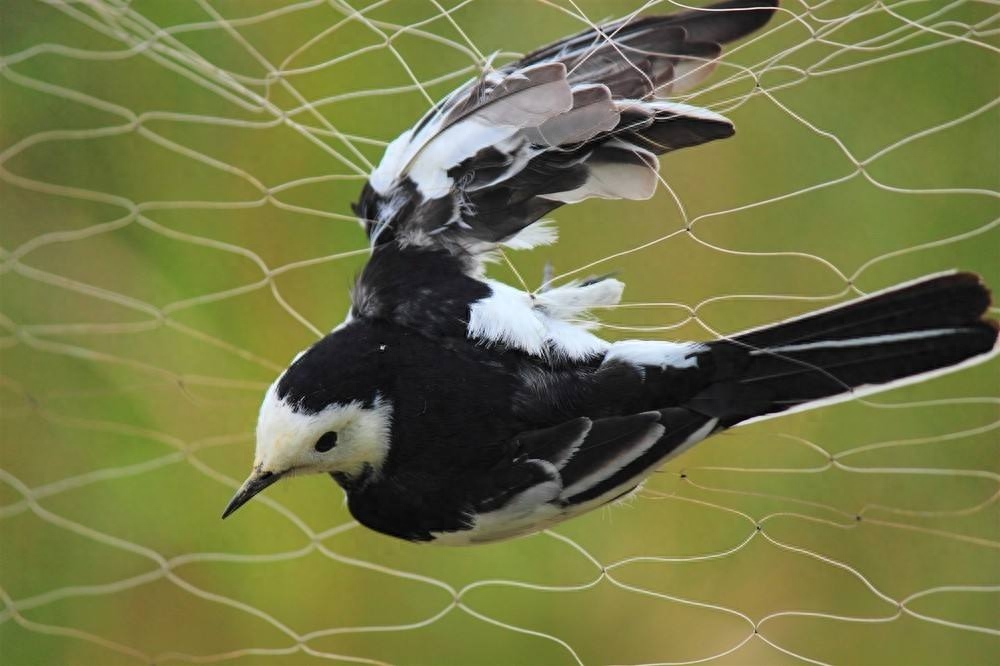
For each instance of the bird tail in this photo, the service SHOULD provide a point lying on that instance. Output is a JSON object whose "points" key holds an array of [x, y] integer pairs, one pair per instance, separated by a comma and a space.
{"points": [[904, 334]]}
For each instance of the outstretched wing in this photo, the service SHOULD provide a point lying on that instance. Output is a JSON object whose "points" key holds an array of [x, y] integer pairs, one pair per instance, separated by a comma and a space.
{"points": [[578, 119]]}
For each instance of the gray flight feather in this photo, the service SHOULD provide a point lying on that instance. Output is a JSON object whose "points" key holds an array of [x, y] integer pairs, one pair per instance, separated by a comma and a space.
{"points": [[577, 119], [593, 112], [523, 98]]}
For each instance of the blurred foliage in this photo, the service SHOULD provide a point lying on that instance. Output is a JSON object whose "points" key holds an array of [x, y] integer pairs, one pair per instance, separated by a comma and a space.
{"points": [[154, 221]]}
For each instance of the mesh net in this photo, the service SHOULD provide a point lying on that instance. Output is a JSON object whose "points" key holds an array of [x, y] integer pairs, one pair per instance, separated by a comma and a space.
{"points": [[175, 184]]}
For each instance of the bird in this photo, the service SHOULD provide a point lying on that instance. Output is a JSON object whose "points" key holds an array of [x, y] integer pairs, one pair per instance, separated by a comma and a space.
{"points": [[454, 409]]}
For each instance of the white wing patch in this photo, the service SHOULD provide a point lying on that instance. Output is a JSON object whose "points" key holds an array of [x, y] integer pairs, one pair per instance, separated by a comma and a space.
{"points": [[526, 512], [542, 505], [540, 233], [687, 110], [574, 299], [522, 114], [697, 436], [627, 172], [523, 99], [429, 170], [507, 317], [550, 322], [648, 439], [656, 353]]}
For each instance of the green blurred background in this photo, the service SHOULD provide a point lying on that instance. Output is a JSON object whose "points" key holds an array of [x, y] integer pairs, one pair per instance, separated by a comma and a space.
{"points": [[175, 227]]}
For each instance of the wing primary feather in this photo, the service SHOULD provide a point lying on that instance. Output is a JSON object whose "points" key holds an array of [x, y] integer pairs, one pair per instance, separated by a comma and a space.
{"points": [[577, 119]]}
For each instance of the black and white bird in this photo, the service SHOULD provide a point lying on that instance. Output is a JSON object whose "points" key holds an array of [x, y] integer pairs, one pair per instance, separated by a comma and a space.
{"points": [[452, 408]]}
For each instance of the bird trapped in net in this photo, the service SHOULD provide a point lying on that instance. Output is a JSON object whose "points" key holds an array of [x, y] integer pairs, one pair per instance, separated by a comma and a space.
{"points": [[456, 409]]}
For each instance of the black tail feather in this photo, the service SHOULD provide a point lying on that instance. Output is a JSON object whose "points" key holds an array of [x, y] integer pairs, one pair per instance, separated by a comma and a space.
{"points": [[726, 21], [870, 344], [943, 301]]}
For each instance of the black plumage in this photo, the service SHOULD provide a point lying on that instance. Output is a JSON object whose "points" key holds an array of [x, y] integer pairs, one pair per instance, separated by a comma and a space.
{"points": [[455, 409], [469, 419]]}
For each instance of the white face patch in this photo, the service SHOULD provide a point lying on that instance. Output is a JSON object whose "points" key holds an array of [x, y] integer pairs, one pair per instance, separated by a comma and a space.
{"points": [[286, 439], [655, 353]]}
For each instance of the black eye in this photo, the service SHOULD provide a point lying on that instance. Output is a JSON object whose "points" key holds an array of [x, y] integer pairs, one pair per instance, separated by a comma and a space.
{"points": [[326, 442]]}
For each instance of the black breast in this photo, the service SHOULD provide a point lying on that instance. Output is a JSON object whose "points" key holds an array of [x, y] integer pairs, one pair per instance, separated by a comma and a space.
{"points": [[452, 422]]}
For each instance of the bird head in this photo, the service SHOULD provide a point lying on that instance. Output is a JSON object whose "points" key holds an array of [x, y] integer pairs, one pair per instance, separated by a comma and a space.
{"points": [[322, 415]]}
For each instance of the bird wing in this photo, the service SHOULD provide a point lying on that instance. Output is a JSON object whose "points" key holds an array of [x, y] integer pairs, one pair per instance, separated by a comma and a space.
{"points": [[577, 119], [568, 469]]}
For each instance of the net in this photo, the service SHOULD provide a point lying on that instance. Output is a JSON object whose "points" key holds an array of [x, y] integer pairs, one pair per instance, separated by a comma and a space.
{"points": [[175, 184]]}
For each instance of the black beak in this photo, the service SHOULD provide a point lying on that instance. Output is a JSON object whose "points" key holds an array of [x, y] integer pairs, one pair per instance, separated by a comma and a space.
{"points": [[257, 482]]}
